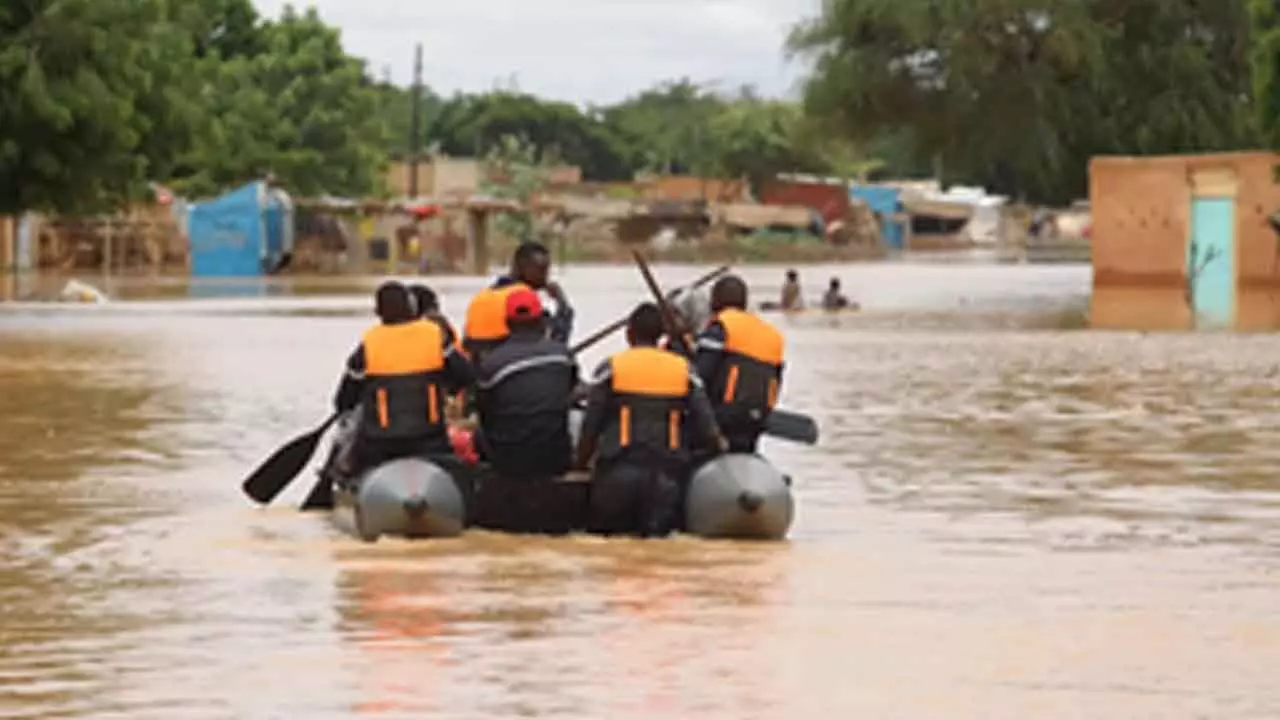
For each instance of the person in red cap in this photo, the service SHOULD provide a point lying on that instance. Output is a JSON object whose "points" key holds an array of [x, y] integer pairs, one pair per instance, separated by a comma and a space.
{"points": [[486, 327], [638, 406], [524, 388]]}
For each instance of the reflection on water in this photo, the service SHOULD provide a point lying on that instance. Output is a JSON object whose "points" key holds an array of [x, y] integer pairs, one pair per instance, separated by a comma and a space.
{"points": [[1002, 521]]}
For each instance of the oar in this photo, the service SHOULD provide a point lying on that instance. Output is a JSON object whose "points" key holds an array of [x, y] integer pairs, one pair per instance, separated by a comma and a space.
{"points": [[614, 327], [782, 424], [275, 474], [321, 495], [791, 426]]}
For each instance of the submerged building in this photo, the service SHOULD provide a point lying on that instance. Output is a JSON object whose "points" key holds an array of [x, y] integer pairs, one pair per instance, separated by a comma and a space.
{"points": [[1186, 242]]}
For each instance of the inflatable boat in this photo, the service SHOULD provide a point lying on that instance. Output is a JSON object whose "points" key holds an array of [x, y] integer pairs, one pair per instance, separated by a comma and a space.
{"points": [[410, 497], [733, 496]]}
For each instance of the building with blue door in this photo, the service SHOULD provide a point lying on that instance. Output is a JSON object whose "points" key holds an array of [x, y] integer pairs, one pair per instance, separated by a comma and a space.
{"points": [[1186, 242], [243, 233]]}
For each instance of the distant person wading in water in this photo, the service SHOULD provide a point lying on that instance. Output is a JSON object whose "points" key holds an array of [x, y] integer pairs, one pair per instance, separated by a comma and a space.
{"points": [[833, 299], [791, 295]]}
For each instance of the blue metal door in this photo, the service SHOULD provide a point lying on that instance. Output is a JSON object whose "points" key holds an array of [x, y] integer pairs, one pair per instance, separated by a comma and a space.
{"points": [[228, 234], [1211, 261]]}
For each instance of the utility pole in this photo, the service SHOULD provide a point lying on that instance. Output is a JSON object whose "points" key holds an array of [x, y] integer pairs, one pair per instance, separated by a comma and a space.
{"points": [[415, 122]]}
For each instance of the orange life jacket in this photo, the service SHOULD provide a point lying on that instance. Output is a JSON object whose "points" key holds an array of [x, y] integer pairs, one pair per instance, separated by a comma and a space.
{"points": [[487, 314], [404, 364], [751, 374], [651, 392]]}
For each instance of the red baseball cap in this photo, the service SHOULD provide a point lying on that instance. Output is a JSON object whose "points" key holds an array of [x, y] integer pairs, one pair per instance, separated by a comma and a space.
{"points": [[523, 303]]}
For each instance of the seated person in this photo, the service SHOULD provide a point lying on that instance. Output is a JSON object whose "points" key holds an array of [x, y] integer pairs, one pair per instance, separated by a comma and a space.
{"points": [[397, 376], [791, 296], [524, 388], [637, 407], [833, 299], [740, 361]]}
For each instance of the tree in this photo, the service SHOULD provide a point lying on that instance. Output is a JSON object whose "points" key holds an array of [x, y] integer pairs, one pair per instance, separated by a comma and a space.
{"points": [[227, 29], [1264, 17], [757, 139], [395, 106], [666, 128], [473, 125], [300, 109], [91, 106], [515, 172], [1017, 94]]}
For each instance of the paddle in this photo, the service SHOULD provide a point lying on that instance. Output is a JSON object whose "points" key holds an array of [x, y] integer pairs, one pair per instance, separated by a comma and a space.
{"points": [[782, 424], [614, 327], [277, 471], [321, 495]]}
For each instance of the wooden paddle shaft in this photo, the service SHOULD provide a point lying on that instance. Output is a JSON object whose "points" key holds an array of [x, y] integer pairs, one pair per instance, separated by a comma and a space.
{"points": [[618, 325], [668, 313]]}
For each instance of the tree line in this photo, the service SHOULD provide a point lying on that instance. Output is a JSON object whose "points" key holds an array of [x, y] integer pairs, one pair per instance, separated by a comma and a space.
{"points": [[100, 97]]}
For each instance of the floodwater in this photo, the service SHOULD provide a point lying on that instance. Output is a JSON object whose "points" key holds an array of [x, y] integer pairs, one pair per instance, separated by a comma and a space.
{"points": [[1004, 519]]}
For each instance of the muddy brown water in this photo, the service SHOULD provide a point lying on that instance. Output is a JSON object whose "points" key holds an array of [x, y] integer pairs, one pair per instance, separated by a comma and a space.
{"points": [[1004, 519]]}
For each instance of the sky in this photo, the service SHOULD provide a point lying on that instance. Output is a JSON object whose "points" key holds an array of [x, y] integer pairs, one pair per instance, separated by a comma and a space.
{"points": [[581, 51]]}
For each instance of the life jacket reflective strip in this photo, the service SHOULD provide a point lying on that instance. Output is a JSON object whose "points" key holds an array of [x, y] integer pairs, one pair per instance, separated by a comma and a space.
{"points": [[648, 372], [750, 341], [403, 351]]}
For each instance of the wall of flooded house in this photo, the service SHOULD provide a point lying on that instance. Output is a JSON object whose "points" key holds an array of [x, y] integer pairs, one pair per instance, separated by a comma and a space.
{"points": [[438, 176], [690, 187], [8, 243], [829, 200], [1142, 224]]}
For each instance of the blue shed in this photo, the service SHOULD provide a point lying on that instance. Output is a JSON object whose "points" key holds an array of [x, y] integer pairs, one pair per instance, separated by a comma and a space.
{"points": [[243, 233], [885, 202]]}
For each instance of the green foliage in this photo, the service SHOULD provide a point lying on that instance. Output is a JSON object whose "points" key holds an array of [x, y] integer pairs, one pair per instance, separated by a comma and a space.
{"points": [[99, 97], [300, 110], [395, 109], [1018, 94], [89, 109], [515, 172], [757, 139], [666, 129], [1264, 16], [677, 128], [472, 125]]}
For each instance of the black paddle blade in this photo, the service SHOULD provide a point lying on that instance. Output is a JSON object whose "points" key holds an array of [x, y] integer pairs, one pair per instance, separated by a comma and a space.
{"points": [[275, 474], [320, 497], [792, 426]]}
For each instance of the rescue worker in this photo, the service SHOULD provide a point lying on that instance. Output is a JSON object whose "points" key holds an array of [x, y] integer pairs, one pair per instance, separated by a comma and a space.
{"points": [[791, 295], [397, 376], [740, 361], [486, 322], [638, 405], [523, 392], [428, 306]]}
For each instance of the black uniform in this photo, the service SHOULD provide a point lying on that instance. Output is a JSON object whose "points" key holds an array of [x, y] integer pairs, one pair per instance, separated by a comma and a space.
{"points": [[523, 392]]}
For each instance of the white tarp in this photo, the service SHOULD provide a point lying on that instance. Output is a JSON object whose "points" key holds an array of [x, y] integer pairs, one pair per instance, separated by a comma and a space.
{"points": [[983, 227]]}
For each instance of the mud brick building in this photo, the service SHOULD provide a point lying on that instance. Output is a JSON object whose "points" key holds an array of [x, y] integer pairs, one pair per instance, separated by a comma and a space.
{"points": [[1185, 242]]}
